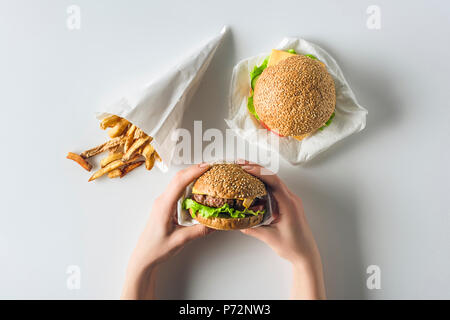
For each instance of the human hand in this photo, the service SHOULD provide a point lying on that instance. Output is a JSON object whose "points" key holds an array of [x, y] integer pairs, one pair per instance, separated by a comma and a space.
{"points": [[289, 235], [162, 237]]}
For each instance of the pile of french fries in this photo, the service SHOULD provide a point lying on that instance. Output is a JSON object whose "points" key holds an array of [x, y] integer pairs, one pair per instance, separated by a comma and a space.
{"points": [[128, 149]]}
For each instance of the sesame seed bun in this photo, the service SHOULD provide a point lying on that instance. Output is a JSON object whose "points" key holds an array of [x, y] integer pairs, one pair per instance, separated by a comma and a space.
{"points": [[230, 223], [229, 181], [295, 97]]}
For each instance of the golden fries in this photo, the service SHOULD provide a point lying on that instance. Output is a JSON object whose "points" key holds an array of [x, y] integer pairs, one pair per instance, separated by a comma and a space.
{"points": [[149, 156], [129, 148], [129, 138], [110, 158], [139, 134], [135, 146], [116, 173], [130, 167], [80, 160], [101, 148], [109, 122], [118, 129], [109, 167], [150, 162]]}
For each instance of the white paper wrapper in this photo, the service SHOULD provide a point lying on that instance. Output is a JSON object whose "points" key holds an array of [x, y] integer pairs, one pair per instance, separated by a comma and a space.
{"points": [[158, 108], [185, 219], [350, 116]]}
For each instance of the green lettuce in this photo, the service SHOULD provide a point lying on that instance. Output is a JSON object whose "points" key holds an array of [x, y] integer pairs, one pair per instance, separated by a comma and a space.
{"points": [[257, 70], [224, 211], [311, 56], [251, 107], [328, 122]]}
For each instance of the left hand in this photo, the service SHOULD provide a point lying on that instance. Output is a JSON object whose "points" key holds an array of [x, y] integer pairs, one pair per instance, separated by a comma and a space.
{"points": [[162, 237]]}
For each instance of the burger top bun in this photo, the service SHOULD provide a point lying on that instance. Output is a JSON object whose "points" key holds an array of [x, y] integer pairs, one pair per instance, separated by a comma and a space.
{"points": [[229, 181], [295, 97]]}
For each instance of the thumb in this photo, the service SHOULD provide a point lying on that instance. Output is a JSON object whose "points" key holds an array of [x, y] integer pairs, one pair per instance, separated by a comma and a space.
{"points": [[186, 234], [263, 233]]}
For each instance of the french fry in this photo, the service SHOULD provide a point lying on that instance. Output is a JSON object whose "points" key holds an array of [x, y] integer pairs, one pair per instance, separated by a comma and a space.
{"points": [[150, 162], [110, 158], [80, 160], [116, 173], [130, 167], [131, 130], [138, 133], [158, 158], [109, 121], [148, 152], [135, 146], [101, 148], [118, 129], [109, 167], [133, 159], [116, 149]]}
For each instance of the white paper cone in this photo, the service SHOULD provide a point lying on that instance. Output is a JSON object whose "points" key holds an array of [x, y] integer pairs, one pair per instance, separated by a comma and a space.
{"points": [[159, 107], [350, 116]]}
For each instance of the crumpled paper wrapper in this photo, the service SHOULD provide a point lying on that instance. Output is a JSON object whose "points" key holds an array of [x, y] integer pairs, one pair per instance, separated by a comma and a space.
{"points": [[184, 218], [350, 116], [158, 107]]}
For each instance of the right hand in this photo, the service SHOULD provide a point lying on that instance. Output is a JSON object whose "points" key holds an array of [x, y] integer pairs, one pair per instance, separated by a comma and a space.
{"points": [[289, 234]]}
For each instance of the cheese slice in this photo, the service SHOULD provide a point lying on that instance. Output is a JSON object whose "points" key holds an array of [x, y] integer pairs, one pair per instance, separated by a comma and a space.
{"points": [[247, 202], [277, 56]]}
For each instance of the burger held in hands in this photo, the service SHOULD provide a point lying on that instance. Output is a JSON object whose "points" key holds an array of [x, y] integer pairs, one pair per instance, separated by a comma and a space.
{"points": [[226, 198], [292, 95]]}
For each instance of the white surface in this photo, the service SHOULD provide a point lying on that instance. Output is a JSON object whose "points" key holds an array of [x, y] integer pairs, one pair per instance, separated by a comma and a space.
{"points": [[350, 116], [378, 197]]}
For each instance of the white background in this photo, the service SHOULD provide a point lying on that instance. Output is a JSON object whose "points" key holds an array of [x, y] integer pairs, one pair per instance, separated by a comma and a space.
{"points": [[379, 197]]}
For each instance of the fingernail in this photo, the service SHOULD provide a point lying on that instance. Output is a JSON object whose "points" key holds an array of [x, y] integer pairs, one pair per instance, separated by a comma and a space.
{"points": [[204, 165], [247, 167], [240, 161]]}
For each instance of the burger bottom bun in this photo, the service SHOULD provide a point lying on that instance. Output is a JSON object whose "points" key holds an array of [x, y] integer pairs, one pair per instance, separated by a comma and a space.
{"points": [[229, 223]]}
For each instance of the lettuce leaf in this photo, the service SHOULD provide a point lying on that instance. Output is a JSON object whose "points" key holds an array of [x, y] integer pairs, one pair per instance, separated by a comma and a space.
{"points": [[311, 56], [257, 70], [209, 212], [328, 122], [251, 107]]}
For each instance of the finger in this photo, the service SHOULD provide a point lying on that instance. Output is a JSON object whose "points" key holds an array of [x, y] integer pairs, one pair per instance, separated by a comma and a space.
{"points": [[267, 176], [263, 233], [185, 234], [275, 208], [182, 179]]}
